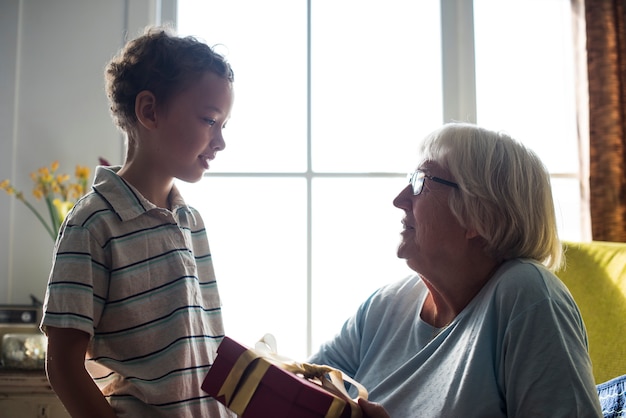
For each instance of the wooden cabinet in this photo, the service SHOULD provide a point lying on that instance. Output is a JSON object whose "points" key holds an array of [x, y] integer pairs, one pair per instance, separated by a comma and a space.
{"points": [[31, 406], [28, 395]]}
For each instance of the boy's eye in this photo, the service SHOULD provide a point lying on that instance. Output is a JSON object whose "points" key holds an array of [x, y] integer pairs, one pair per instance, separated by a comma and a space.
{"points": [[210, 121]]}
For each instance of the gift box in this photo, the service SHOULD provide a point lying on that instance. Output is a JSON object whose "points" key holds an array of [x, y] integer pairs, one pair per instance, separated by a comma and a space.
{"points": [[256, 384]]}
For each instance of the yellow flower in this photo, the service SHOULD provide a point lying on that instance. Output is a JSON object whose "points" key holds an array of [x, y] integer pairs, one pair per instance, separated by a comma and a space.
{"points": [[63, 208], [6, 186], [82, 172], [56, 190], [76, 190], [44, 175]]}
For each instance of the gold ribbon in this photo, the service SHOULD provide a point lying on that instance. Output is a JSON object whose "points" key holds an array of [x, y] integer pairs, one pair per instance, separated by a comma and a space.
{"points": [[237, 394], [230, 383]]}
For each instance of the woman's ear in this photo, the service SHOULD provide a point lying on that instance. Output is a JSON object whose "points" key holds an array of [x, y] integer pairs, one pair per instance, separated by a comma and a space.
{"points": [[145, 109]]}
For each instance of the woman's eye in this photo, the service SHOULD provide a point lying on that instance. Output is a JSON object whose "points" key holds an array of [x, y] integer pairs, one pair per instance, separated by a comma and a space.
{"points": [[210, 121]]}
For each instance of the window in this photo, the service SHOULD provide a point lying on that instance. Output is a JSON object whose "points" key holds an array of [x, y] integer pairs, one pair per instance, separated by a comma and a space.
{"points": [[331, 99], [525, 85]]}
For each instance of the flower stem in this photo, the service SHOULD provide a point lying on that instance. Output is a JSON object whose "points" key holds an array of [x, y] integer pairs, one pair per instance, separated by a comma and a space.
{"points": [[54, 218], [43, 222]]}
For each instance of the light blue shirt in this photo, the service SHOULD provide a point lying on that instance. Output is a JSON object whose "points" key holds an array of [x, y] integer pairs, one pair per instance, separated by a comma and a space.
{"points": [[518, 349]]}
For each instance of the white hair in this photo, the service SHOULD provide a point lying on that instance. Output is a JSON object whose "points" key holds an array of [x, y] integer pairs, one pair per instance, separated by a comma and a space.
{"points": [[504, 191]]}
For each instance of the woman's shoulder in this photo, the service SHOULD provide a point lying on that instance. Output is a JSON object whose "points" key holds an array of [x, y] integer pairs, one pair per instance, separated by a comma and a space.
{"points": [[522, 272], [527, 281]]}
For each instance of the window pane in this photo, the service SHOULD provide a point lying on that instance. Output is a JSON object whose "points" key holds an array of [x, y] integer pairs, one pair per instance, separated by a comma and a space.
{"points": [[356, 232], [375, 82], [566, 193], [525, 86], [265, 42], [257, 233], [525, 75]]}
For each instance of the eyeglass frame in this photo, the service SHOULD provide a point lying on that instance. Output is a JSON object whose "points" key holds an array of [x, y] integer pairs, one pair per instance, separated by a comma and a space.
{"points": [[420, 174]]}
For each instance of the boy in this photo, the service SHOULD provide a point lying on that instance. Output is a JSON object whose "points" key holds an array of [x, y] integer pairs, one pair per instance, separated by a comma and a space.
{"points": [[132, 312]]}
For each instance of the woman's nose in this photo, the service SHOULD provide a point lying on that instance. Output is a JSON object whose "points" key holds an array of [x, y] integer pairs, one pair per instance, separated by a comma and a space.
{"points": [[403, 199]]}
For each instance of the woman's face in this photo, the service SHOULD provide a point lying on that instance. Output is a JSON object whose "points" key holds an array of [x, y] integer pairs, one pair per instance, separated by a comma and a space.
{"points": [[431, 234]]}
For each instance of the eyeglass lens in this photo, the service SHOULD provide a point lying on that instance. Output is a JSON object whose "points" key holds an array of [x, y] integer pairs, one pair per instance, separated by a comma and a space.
{"points": [[417, 182]]}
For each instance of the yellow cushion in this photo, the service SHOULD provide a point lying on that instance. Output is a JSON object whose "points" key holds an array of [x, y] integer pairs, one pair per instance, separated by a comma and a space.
{"points": [[595, 273]]}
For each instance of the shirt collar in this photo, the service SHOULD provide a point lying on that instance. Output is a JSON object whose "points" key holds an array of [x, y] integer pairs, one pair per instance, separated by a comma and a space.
{"points": [[125, 200]]}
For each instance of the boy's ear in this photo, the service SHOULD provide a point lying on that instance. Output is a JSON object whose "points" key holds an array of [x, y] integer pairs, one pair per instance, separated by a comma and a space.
{"points": [[145, 109]]}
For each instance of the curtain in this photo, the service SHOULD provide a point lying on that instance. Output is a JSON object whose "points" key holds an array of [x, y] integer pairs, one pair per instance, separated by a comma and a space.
{"points": [[605, 31]]}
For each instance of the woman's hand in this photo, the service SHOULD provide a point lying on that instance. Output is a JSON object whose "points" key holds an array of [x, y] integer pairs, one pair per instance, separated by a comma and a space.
{"points": [[372, 410]]}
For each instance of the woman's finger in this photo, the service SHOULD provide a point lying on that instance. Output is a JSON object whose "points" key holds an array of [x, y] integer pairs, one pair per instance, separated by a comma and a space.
{"points": [[372, 409]]}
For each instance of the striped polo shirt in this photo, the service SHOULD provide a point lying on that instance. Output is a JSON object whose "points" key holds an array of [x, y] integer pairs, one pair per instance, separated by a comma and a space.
{"points": [[139, 279]]}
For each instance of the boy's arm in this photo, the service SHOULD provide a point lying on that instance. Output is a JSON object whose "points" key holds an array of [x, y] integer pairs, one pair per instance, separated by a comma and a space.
{"points": [[65, 365]]}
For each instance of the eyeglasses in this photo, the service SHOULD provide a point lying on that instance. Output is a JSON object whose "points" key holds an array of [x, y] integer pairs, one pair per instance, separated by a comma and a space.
{"points": [[417, 178]]}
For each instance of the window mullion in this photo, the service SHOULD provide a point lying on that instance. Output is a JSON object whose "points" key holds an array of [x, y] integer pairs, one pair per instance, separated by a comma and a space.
{"points": [[309, 195], [458, 61]]}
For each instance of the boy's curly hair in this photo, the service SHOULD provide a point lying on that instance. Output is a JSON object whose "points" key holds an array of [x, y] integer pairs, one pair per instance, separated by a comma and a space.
{"points": [[160, 62]]}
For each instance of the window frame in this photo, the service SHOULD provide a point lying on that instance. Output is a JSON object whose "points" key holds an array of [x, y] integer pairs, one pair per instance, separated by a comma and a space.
{"points": [[459, 104]]}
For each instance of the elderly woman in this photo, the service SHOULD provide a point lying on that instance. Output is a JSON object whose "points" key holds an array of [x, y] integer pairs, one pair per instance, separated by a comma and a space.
{"points": [[484, 329]]}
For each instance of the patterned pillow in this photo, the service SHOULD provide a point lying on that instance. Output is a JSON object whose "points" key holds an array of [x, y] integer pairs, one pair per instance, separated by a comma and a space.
{"points": [[613, 397]]}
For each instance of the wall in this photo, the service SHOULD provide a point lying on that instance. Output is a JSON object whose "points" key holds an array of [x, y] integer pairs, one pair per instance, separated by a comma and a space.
{"points": [[53, 107]]}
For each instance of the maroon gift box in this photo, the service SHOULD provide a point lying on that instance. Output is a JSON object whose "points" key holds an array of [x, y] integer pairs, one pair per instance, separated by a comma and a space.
{"points": [[275, 392]]}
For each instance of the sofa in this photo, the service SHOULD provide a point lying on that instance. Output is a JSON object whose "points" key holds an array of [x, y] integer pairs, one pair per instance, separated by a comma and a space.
{"points": [[595, 273]]}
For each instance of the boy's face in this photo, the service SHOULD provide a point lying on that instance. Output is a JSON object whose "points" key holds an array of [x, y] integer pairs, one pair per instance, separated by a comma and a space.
{"points": [[189, 127]]}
